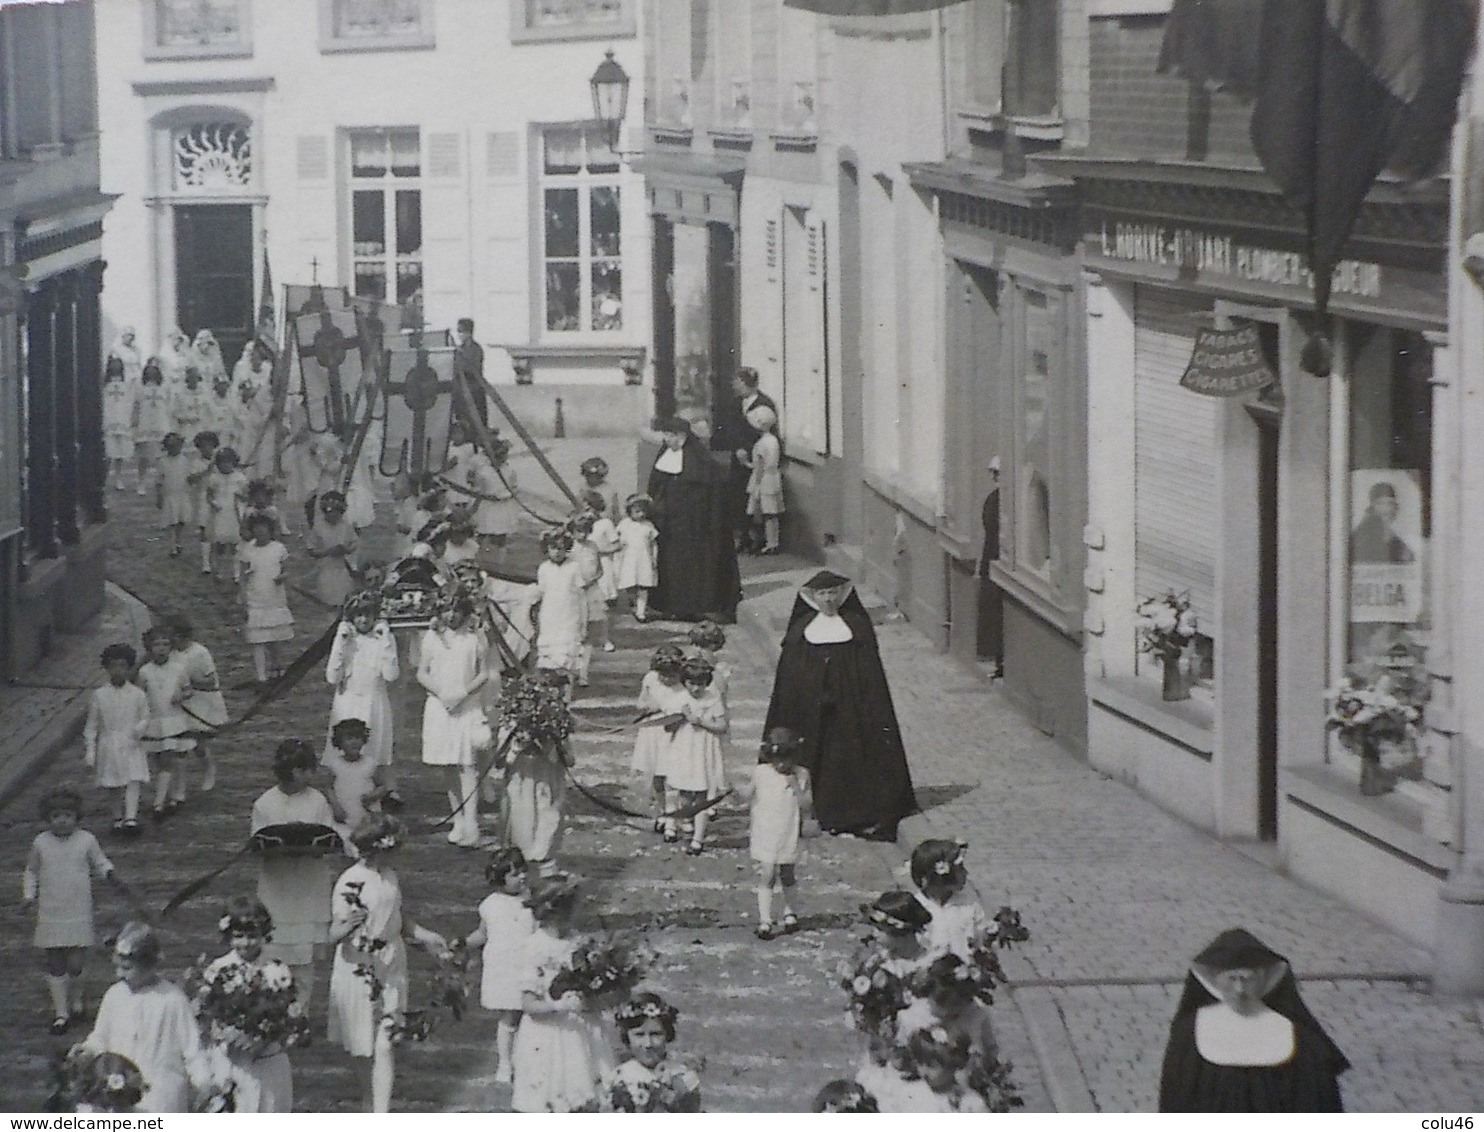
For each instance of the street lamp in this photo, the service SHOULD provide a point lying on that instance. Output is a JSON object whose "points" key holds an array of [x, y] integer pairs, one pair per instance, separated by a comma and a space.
{"points": [[610, 85]]}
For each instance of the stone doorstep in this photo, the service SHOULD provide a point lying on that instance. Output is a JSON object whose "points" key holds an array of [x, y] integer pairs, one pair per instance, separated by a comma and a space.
{"points": [[73, 660]]}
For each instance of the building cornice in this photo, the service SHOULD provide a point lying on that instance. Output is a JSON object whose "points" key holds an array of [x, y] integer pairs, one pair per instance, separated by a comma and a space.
{"points": [[155, 88]]}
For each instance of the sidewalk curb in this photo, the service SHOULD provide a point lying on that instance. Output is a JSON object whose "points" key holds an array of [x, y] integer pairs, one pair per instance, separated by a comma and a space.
{"points": [[21, 767]]}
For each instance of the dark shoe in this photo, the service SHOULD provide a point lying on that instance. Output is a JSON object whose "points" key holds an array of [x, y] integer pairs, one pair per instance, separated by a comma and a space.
{"points": [[131, 828], [694, 849], [766, 931], [120, 828], [790, 924], [671, 837], [59, 1025]]}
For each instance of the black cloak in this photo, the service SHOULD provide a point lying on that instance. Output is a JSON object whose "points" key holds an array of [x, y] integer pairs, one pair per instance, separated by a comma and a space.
{"points": [[698, 572], [1307, 1082], [835, 697]]}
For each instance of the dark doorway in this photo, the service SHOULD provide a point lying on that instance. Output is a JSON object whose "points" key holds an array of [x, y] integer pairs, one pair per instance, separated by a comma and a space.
{"points": [[1267, 412], [213, 274]]}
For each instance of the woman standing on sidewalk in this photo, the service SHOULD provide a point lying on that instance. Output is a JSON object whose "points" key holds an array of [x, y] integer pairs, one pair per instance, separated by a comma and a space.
{"points": [[831, 691]]}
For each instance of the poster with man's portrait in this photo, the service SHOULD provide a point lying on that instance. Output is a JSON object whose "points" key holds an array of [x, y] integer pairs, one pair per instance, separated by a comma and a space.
{"points": [[1386, 550]]}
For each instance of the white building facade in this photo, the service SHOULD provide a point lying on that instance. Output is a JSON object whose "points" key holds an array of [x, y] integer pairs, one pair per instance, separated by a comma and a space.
{"points": [[432, 152]]}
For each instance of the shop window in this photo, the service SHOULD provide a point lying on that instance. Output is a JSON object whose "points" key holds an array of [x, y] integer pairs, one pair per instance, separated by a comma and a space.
{"points": [[1033, 543], [545, 20], [581, 231], [189, 29], [1389, 496], [359, 25], [385, 208]]}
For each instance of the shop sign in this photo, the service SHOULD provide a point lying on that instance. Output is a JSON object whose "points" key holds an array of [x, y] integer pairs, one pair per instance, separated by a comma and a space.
{"points": [[1227, 363], [1215, 254]]}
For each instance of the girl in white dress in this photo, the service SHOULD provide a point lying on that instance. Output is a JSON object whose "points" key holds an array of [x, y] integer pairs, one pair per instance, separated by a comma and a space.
{"points": [[649, 1079], [780, 795], [120, 395], [706, 640], [692, 764], [221, 413], [294, 884], [604, 592], [173, 490], [269, 619], [765, 484], [368, 985], [561, 582], [204, 704], [226, 499], [149, 1020], [206, 356], [595, 610], [505, 924], [661, 696], [561, 1049], [151, 421], [453, 670], [113, 735], [535, 788], [253, 395], [363, 664], [359, 783], [332, 542], [201, 458], [188, 405], [168, 734], [638, 562], [942, 878], [126, 350], [262, 1079], [174, 356]]}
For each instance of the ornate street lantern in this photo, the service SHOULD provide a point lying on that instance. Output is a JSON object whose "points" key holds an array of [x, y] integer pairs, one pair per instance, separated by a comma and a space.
{"points": [[610, 85]]}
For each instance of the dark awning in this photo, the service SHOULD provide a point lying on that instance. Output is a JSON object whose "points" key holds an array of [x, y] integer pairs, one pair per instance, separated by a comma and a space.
{"points": [[868, 7]]}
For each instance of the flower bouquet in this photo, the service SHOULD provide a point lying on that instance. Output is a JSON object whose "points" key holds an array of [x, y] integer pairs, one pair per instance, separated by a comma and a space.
{"points": [[603, 970], [1365, 714], [954, 1067], [673, 1086], [534, 713], [878, 993], [248, 1008], [1167, 625], [88, 1081]]}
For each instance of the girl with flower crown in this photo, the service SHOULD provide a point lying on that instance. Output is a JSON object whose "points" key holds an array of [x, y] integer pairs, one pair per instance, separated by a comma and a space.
{"points": [[661, 696], [505, 923], [562, 1049], [780, 795], [363, 665], [649, 1079], [453, 670], [938, 870], [256, 1071], [368, 985]]}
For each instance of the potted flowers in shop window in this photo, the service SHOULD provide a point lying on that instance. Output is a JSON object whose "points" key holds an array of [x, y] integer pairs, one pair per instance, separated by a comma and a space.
{"points": [[1167, 626], [1368, 713]]}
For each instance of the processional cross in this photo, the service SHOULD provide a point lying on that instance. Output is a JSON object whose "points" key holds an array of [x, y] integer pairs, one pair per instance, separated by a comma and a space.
{"points": [[330, 350]]}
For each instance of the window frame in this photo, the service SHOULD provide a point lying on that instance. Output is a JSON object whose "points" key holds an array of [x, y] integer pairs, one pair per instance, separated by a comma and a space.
{"points": [[523, 31], [1013, 37], [388, 185], [241, 48], [331, 42], [584, 181]]}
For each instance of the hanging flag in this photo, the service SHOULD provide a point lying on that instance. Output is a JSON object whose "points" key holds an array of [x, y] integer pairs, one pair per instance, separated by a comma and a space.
{"points": [[1345, 89], [267, 312], [1213, 42], [868, 7]]}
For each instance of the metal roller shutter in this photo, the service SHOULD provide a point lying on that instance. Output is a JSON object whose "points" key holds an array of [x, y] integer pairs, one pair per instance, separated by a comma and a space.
{"points": [[1175, 518]]}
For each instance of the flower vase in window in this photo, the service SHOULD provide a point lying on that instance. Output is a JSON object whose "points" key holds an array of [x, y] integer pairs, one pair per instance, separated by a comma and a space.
{"points": [[1167, 626]]}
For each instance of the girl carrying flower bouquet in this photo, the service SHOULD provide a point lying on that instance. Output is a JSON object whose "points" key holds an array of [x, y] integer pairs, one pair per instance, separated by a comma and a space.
{"points": [[841, 1095], [562, 1049], [368, 985], [649, 1079], [934, 1070], [535, 716], [938, 870], [88, 1081], [249, 1013]]}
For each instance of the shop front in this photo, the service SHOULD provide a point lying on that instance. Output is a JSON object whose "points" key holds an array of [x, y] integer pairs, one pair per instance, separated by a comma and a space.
{"points": [[1260, 541]]}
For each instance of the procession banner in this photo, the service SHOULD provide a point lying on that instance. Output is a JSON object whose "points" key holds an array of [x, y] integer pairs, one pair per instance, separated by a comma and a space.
{"points": [[1227, 363], [418, 407], [329, 367], [311, 298]]}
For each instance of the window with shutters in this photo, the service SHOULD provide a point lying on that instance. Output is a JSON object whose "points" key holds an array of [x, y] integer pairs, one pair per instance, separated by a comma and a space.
{"points": [[375, 25], [193, 29], [581, 233], [541, 21], [386, 222], [1175, 437]]}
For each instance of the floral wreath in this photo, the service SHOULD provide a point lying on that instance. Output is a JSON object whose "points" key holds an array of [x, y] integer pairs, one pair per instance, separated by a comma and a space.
{"points": [[947, 865], [245, 925], [594, 466], [887, 920], [636, 1013]]}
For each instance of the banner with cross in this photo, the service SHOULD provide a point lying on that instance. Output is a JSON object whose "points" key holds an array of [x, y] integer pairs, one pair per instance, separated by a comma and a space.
{"points": [[329, 367], [418, 395], [311, 298]]}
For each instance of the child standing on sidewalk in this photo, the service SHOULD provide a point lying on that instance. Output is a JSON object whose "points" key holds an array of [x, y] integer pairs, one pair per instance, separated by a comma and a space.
{"points": [[638, 550], [603, 593], [661, 696], [780, 795], [59, 881], [168, 733], [765, 484], [113, 736]]}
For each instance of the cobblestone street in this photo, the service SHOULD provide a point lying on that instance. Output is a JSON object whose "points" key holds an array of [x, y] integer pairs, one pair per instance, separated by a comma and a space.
{"points": [[1117, 895]]}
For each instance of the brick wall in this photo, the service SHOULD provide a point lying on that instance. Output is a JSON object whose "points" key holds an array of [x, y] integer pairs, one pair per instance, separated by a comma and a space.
{"points": [[1137, 112]]}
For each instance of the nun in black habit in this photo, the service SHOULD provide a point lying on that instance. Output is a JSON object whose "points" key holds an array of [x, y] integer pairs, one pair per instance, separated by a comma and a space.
{"points": [[830, 689], [1242, 1039], [698, 576]]}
